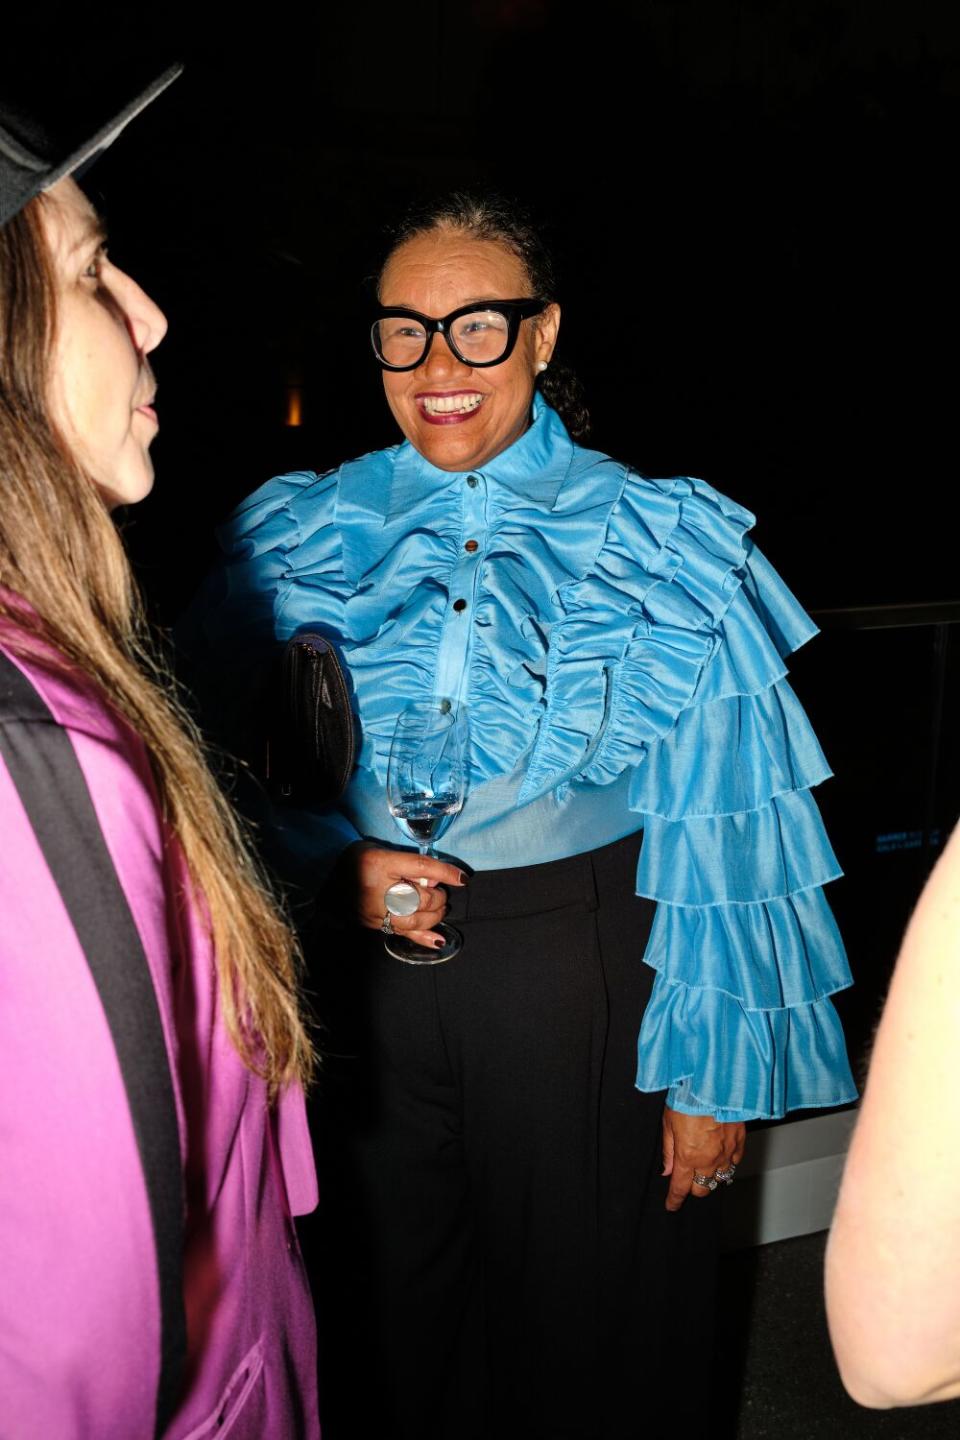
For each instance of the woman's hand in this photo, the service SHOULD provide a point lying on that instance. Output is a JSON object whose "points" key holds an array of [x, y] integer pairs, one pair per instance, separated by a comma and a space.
{"points": [[697, 1145], [368, 872]]}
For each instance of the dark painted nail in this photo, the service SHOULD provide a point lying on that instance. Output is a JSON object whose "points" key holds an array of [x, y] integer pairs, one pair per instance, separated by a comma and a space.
{"points": [[464, 879], [439, 944]]}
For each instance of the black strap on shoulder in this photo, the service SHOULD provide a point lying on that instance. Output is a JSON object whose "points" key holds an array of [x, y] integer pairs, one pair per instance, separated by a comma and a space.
{"points": [[44, 768]]}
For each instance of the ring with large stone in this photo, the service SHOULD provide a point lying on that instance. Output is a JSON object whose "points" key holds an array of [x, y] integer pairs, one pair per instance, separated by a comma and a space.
{"points": [[386, 925], [401, 898], [707, 1181], [726, 1176]]}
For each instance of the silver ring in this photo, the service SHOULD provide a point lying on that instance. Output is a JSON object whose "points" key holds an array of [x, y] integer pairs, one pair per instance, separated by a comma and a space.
{"points": [[726, 1176], [386, 924], [402, 898], [707, 1181]]}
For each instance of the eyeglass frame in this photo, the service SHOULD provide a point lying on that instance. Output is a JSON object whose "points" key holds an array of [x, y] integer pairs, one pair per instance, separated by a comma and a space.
{"points": [[515, 311]]}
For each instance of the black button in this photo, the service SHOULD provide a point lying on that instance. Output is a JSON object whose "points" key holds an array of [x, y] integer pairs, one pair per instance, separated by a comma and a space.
{"points": [[459, 605], [472, 481], [471, 546]]}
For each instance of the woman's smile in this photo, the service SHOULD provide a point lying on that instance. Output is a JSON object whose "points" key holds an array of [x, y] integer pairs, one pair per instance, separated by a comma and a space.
{"points": [[449, 407]]}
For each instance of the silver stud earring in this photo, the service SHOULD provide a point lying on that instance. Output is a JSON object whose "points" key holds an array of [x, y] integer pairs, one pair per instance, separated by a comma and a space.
{"points": [[541, 366]]}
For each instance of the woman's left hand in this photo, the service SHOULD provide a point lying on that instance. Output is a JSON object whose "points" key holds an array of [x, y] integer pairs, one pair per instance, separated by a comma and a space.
{"points": [[697, 1145]]}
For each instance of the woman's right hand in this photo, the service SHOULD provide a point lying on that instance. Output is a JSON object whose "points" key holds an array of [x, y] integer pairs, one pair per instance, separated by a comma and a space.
{"points": [[372, 871]]}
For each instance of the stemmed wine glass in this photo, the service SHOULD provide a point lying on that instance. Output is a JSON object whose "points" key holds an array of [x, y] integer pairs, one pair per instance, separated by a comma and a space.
{"points": [[426, 788]]}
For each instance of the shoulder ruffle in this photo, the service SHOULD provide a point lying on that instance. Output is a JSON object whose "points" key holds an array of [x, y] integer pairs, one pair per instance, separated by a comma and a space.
{"points": [[286, 531], [282, 537], [636, 633], [264, 521], [230, 635], [231, 629]]}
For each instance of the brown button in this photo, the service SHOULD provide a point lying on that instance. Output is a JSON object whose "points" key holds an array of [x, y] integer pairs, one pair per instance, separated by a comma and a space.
{"points": [[459, 605], [471, 546]]}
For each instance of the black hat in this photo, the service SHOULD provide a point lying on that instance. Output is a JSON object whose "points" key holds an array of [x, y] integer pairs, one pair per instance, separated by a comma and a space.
{"points": [[36, 152]]}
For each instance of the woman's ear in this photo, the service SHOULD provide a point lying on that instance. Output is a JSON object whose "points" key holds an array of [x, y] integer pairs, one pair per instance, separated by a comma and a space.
{"points": [[548, 327]]}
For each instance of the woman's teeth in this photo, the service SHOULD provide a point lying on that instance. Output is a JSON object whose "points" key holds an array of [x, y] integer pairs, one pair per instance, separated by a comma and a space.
{"points": [[450, 404]]}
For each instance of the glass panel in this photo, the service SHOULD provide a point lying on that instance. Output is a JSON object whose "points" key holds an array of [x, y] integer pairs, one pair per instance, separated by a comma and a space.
{"points": [[399, 339], [481, 335]]}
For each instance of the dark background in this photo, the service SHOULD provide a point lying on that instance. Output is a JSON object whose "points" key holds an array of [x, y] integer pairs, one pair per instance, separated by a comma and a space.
{"points": [[752, 205]]}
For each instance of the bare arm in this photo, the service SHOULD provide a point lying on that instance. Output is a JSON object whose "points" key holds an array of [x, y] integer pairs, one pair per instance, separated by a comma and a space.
{"points": [[893, 1260]]}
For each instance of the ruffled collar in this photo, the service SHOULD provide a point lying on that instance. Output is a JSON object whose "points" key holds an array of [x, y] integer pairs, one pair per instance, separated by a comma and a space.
{"points": [[534, 467]]}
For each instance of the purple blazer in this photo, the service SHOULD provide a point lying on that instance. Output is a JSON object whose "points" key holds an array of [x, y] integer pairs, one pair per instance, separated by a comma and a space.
{"points": [[79, 1295]]}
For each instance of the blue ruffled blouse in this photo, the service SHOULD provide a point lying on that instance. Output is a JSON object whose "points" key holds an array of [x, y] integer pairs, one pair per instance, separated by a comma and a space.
{"points": [[619, 643]]}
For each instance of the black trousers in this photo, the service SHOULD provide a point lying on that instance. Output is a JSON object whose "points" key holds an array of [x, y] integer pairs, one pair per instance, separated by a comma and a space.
{"points": [[495, 1258]]}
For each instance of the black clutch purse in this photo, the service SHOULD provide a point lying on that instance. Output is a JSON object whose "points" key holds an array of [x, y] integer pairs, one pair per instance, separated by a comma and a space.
{"points": [[311, 734]]}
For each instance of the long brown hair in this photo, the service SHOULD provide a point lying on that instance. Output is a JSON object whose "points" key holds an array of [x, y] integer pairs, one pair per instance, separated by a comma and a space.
{"points": [[61, 553]]}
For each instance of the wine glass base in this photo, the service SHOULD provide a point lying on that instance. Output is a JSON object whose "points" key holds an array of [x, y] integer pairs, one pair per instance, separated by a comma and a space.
{"points": [[411, 954]]}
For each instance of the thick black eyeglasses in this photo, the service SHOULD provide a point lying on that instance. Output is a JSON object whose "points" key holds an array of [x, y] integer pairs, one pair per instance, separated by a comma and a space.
{"points": [[483, 333]]}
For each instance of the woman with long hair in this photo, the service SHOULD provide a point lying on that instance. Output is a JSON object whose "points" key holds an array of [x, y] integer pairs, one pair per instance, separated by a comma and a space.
{"points": [[153, 1053]]}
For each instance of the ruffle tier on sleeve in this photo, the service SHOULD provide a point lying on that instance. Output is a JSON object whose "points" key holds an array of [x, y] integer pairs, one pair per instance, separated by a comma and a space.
{"points": [[670, 660]]}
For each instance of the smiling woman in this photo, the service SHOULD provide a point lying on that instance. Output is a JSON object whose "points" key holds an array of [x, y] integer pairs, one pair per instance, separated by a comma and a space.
{"points": [[521, 1237]]}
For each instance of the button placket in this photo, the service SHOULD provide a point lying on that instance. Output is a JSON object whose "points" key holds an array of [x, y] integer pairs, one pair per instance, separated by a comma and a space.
{"points": [[457, 639]]}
